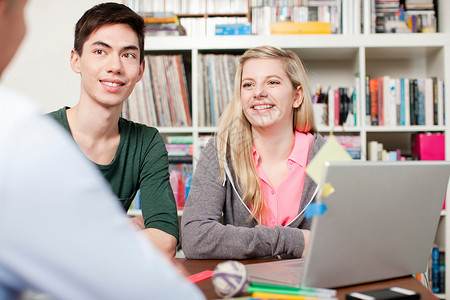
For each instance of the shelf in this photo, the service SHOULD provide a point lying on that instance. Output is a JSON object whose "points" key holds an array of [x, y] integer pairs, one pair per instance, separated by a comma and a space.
{"points": [[138, 212], [175, 129], [373, 42], [212, 15], [404, 129], [338, 129], [331, 60], [207, 129]]}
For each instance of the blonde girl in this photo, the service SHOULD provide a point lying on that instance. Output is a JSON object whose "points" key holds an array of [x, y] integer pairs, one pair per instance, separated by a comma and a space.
{"points": [[250, 188]]}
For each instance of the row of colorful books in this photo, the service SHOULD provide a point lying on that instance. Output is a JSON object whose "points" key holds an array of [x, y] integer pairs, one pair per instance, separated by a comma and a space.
{"points": [[377, 152], [404, 16], [180, 147], [436, 271], [425, 146], [351, 143], [211, 26], [180, 182], [216, 84], [162, 23], [161, 98], [180, 151], [336, 107], [404, 101], [342, 16], [168, 24], [191, 7]]}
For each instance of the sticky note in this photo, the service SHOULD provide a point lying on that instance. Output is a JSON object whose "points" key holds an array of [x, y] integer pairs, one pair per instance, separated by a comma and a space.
{"points": [[330, 151], [315, 209], [327, 190], [194, 278]]}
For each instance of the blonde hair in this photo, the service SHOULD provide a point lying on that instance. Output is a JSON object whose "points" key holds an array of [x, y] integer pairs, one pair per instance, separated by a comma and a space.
{"points": [[234, 136]]}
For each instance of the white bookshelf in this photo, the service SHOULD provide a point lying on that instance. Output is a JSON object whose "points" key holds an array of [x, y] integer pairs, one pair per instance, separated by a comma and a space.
{"points": [[333, 60]]}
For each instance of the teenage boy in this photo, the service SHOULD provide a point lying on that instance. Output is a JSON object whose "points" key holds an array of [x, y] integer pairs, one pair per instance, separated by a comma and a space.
{"points": [[109, 56], [62, 232]]}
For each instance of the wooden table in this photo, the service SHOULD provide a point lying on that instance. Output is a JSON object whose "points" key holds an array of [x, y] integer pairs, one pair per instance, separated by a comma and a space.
{"points": [[194, 266]]}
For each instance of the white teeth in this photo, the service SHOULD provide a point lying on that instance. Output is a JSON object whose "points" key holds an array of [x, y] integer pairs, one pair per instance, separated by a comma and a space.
{"points": [[111, 83], [264, 106]]}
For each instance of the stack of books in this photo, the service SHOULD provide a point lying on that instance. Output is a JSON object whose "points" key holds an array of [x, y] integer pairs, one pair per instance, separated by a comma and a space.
{"points": [[162, 23], [180, 151], [161, 98], [216, 84], [405, 101]]}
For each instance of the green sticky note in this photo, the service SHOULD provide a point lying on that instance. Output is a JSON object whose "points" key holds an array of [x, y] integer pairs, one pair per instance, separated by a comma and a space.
{"points": [[330, 151]]}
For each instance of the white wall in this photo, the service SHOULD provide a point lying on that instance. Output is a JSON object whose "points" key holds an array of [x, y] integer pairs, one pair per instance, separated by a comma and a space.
{"points": [[41, 68]]}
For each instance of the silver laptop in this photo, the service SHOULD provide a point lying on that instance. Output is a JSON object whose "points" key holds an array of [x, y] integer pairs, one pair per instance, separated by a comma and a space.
{"points": [[380, 223]]}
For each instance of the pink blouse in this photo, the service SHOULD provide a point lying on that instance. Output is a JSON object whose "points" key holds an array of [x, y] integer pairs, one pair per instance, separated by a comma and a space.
{"points": [[283, 203]]}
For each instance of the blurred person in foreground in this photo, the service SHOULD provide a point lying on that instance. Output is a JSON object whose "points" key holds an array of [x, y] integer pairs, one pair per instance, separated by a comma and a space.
{"points": [[50, 242]]}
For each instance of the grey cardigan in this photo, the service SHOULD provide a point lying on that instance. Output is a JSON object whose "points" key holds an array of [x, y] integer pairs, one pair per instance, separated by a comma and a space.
{"points": [[215, 221]]}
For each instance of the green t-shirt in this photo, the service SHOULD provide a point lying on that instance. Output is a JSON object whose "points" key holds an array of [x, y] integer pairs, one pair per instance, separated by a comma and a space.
{"points": [[140, 162]]}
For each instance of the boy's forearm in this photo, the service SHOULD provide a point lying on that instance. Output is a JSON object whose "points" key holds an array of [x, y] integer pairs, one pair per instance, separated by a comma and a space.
{"points": [[164, 242]]}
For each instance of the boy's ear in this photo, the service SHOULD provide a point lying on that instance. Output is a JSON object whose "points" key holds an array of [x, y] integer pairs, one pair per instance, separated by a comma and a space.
{"points": [[74, 61], [3, 5], [141, 70]]}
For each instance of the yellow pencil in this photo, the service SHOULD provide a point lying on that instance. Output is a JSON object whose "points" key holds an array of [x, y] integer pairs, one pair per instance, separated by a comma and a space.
{"points": [[261, 295]]}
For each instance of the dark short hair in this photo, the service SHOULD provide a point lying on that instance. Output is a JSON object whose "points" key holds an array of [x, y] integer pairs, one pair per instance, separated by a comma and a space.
{"points": [[108, 14]]}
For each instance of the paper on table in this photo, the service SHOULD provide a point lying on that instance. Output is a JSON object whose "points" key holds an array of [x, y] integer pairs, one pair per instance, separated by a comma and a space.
{"points": [[330, 151]]}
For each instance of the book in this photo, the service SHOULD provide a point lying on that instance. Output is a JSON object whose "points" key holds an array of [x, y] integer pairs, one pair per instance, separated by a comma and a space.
{"points": [[179, 139], [179, 149], [429, 101], [367, 99], [412, 101], [182, 89], [373, 90], [442, 270], [337, 108], [383, 100], [420, 102], [233, 29], [440, 102], [331, 104], [311, 27], [216, 85], [320, 114], [159, 17], [351, 143], [164, 29], [404, 102], [180, 181], [435, 270]]}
